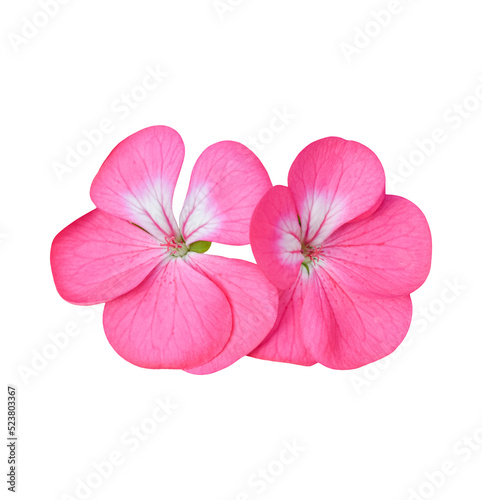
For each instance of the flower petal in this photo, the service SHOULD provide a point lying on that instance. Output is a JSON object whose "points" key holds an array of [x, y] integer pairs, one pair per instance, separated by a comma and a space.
{"points": [[226, 184], [136, 182], [284, 343], [345, 330], [275, 237], [176, 318], [254, 305], [386, 254], [99, 257], [334, 181]]}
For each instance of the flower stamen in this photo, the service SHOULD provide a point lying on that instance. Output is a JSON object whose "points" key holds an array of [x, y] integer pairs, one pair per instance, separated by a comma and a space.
{"points": [[313, 254], [172, 246]]}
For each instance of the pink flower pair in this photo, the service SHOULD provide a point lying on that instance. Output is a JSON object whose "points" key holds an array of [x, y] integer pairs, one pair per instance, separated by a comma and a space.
{"points": [[337, 258]]}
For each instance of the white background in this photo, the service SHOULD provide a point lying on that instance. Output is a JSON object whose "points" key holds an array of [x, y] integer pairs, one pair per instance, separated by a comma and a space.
{"points": [[371, 434]]}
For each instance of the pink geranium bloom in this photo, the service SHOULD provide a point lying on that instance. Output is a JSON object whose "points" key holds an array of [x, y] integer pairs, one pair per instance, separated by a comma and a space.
{"points": [[344, 255], [167, 304]]}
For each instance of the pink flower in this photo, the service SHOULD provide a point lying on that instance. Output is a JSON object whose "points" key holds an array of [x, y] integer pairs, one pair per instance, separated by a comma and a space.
{"points": [[344, 256], [167, 304]]}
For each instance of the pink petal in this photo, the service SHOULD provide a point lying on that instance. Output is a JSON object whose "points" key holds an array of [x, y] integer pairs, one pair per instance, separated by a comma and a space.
{"points": [[345, 330], [176, 318], [387, 254], [99, 257], [334, 181], [254, 305], [226, 184], [275, 237], [137, 180], [284, 343]]}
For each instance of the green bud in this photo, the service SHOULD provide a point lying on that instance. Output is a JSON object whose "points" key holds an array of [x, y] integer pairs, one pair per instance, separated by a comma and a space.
{"points": [[200, 246]]}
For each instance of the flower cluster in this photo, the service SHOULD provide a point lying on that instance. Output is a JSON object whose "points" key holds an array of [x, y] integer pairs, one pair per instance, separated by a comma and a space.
{"points": [[336, 257]]}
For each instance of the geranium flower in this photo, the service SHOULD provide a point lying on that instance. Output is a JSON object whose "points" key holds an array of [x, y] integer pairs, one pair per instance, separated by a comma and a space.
{"points": [[344, 256], [167, 304]]}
